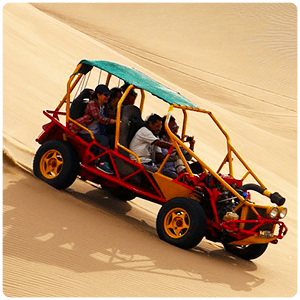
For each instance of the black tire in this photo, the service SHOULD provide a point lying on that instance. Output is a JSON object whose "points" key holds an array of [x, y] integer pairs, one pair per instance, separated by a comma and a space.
{"points": [[247, 252], [181, 222], [122, 193], [56, 162]]}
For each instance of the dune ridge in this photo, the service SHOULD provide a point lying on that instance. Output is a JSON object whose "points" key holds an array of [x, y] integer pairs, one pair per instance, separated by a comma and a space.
{"points": [[249, 58]]}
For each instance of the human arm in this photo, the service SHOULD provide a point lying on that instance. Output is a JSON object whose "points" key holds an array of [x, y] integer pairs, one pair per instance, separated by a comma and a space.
{"points": [[191, 141], [94, 112], [192, 144], [162, 144]]}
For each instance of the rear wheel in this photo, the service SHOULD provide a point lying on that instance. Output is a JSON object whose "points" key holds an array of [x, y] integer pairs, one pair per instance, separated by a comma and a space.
{"points": [[56, 163], [247, 252], [181, 222]]}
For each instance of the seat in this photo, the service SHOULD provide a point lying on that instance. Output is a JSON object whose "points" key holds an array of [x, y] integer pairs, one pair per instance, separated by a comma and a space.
{"points": [[79, 104], [131, 122]]}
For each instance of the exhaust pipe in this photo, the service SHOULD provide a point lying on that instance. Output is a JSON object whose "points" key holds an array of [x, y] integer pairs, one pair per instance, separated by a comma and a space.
{"points": [[275, 197]]}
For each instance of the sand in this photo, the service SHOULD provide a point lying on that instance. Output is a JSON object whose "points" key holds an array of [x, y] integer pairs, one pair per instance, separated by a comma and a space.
{"points": [[237, 60]]}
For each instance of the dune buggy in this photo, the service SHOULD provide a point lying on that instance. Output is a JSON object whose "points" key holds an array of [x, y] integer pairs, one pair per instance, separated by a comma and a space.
{"points": [[210, 204]]}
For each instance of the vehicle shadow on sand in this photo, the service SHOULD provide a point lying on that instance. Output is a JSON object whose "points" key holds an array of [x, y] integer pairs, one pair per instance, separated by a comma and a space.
{"points": [[48, 226]]}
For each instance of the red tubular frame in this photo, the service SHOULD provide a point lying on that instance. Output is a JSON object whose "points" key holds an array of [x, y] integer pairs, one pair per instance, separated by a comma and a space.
{"points": [[234, 228], [234, 225], [89, 158]]}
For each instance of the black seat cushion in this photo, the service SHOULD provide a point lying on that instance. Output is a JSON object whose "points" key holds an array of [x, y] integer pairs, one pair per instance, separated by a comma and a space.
{"points": [[131, 122]]}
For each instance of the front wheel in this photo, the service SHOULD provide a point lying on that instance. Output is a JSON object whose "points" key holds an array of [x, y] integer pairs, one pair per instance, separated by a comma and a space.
{"points": [[56, 163], [247, 252], [181, 222]]}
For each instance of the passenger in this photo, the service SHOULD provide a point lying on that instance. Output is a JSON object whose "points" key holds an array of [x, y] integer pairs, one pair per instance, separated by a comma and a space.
{"points": [[171, 164], [95, 120], [130, 98], [112, 103], [111, 112], [147, 145]]}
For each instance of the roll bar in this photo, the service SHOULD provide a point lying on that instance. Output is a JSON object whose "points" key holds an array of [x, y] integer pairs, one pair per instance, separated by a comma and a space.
{"points": [[177, 143]]}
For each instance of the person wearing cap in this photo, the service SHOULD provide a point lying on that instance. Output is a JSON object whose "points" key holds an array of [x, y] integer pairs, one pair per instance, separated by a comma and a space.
{"points": [[95, 120]]}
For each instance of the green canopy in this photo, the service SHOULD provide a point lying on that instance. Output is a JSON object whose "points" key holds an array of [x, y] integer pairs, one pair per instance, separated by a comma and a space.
{"points": [[138, 79]]}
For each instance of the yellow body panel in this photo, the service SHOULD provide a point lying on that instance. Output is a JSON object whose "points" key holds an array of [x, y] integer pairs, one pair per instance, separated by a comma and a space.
{"points": [[254, 240], [171, 189]]}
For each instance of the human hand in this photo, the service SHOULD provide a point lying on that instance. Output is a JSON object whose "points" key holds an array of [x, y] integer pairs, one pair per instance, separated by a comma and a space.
{"points": [[192, 144]]}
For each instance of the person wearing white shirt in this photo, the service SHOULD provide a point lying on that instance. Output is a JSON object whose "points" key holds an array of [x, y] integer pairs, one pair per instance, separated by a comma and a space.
{"points": [[147, 145]]}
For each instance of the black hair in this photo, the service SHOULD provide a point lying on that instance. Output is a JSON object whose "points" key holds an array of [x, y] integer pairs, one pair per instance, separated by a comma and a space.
{"points": [[163, 130], [124, 88], [94, 96], [114, 93], [154, 118]]}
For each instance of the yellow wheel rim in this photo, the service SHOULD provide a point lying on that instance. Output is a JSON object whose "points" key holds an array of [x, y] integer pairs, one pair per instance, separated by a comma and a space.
{"points": [[177, 223], [51, 164]]}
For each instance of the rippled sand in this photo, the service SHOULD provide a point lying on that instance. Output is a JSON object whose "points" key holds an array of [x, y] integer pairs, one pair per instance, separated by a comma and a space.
{"points": [[237, 60]]}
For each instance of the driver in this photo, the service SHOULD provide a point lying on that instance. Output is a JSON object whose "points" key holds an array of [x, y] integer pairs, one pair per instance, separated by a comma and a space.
{"points": [[147, 145]]}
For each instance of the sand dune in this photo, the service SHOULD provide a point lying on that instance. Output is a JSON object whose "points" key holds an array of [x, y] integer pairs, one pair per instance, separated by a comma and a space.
{"points": [[237, 60]]}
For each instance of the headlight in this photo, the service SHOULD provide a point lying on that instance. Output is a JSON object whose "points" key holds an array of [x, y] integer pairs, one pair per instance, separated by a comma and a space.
{"points": [[282, 212], [273, 212]]}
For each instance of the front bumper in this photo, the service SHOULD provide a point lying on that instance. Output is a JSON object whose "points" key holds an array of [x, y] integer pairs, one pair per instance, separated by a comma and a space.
{"points": [[262, 231]]}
